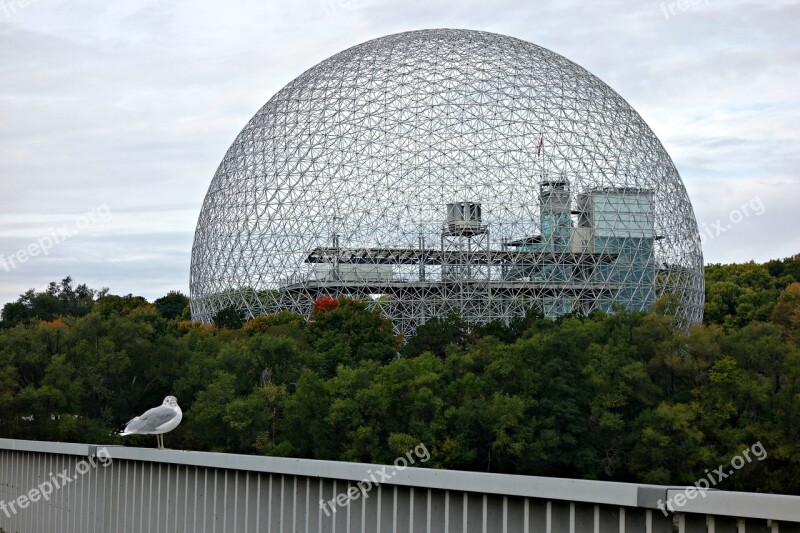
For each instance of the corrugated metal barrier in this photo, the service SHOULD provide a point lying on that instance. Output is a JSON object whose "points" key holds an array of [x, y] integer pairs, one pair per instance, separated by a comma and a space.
{"points": [[59, 487]]}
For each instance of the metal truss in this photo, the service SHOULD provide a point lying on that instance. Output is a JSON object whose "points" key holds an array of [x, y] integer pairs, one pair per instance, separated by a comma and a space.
{"points": [[447, 170]]}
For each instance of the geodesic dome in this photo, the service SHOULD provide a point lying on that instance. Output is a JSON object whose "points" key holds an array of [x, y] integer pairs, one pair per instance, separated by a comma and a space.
{"points": [[447, 170]]}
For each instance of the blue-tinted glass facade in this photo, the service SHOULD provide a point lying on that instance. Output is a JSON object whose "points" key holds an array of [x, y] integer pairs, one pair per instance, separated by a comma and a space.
{"points": [[614, 241]]}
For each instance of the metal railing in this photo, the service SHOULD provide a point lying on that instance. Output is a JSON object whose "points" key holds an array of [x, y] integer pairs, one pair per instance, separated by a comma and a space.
{"points": [[60, 487]]}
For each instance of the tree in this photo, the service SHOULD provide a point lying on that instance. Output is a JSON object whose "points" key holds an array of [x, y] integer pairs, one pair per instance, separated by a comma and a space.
{"points": [[59, 299], [436, 335], [230, 317], [172, 305], [786, 312], [345, 331]]}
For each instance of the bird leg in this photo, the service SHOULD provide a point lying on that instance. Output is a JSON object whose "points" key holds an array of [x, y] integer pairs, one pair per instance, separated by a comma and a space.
{"points": [[158, 442]]}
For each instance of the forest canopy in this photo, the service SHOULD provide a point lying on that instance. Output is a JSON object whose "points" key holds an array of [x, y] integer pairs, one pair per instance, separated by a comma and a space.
{"points": [[625, 396]]}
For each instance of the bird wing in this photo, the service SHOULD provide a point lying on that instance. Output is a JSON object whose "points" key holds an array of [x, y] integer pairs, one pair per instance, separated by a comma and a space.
{"points": [[150, 420]]}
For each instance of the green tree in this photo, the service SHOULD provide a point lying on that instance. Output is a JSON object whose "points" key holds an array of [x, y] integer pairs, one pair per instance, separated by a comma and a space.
{"points": [[347, 332], [436, 334], [172, 305], [229, 317]]}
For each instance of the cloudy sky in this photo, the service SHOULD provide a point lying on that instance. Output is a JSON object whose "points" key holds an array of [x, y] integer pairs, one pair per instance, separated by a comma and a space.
{"points": [[115, 115]]}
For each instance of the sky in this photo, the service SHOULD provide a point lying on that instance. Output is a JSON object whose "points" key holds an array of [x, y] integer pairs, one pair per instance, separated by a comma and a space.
{"points": [[115, 115]]}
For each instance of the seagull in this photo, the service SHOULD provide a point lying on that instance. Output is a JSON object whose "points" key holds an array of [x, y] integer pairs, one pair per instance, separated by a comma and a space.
{"points": [[155, 421]]}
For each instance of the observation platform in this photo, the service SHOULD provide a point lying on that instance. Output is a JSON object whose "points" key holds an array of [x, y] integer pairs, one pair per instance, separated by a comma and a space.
{"points": [[415, 256]]}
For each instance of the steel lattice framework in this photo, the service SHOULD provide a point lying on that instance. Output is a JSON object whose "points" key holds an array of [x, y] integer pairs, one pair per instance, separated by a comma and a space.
{"points": [[447, 170]]}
